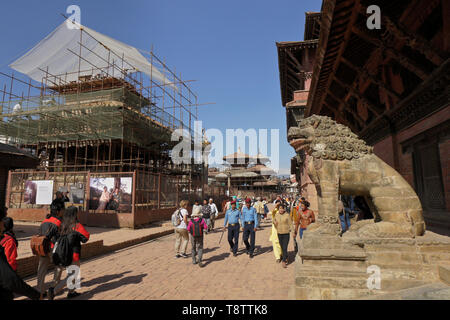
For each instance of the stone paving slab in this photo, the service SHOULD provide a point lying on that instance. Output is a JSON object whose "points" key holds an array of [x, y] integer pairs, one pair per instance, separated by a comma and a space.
{"points": [[151, 271]]}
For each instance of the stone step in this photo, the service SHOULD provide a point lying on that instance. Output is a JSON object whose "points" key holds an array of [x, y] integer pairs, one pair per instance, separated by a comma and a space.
{"points": [[387, 284], [431, 291], [444, 273], [330, 293]]}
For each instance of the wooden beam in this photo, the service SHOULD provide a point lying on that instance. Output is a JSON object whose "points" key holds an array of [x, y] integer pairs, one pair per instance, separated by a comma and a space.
{"points": [[373, 79], [347, 107], [294, 59], [295, 80], [352, 127], [394, 54], [358, 95], [341, 48], [415, 41], [411, 38]]}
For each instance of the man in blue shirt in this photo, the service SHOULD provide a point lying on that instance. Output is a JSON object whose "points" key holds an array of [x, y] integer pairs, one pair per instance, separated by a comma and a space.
{"points": [[232, 217], [249, 221]]}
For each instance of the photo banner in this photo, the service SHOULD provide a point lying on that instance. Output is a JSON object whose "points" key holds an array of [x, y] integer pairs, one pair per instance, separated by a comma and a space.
{"points": [[110, 194]]}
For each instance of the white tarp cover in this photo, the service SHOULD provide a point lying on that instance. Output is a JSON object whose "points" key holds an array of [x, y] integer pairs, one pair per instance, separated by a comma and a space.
{"points": [[53, 52]]}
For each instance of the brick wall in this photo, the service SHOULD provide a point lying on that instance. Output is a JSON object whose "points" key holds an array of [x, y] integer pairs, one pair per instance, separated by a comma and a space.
{"points": [[145, 216], [385, 151], [301, 95], [406, 166], [444, 151]]}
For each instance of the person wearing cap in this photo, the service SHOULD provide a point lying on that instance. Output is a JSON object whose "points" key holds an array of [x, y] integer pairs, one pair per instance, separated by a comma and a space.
{"points": [[305, 218], [214, 212], [195, 226], [197, 205], [206, 213], [249, 220], [259, 207], [232, 217]]}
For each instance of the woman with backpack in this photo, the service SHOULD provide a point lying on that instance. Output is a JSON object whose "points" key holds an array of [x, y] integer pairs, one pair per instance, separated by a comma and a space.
{"points": [[196, 227], [181, 233], [68, 248], [50, 228]]}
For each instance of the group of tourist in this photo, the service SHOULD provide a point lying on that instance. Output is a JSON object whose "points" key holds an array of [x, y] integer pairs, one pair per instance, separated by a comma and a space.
{"points": [[63, 235], [193, 227], [288, 217]]}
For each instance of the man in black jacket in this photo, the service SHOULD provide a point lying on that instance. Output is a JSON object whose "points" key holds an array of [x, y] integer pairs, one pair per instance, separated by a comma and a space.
{"points": [[10, 282]]}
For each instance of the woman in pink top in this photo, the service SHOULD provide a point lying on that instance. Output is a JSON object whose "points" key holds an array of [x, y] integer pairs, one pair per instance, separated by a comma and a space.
{"points": [[196, 228]]}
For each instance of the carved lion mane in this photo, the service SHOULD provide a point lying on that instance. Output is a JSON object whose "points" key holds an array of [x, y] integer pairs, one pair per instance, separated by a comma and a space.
{"points": [[324, 138]]}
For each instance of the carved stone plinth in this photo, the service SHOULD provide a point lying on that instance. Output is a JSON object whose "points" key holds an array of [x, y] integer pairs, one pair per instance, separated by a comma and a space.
{"points": [[331, 267]]}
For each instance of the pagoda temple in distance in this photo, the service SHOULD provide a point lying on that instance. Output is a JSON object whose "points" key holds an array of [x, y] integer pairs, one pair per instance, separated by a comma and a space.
{"points": [[246, 175]]}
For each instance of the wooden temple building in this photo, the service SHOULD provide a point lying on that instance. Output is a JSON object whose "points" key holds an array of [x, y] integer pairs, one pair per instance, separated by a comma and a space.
{"points": [[246, 174], [389, 85]]}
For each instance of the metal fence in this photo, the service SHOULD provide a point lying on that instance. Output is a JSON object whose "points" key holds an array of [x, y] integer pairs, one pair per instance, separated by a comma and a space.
{"points": [[88, 190]]}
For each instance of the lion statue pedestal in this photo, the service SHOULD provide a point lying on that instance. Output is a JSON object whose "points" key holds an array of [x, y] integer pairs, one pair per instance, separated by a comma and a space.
{"points": [[388, 253]]}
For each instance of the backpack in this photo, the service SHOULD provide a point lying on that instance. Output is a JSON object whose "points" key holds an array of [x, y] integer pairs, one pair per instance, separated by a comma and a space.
{"points": [[63, 252], [40, 245], [196, 230], [176, 218]]}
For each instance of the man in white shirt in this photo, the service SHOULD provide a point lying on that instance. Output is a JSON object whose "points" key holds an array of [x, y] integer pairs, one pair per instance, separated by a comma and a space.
{"points": [[197, 205], [259, 207], [214, 212]]}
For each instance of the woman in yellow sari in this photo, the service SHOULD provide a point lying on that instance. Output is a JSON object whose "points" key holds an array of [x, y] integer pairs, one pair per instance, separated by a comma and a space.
{"points": [[274, 234]]}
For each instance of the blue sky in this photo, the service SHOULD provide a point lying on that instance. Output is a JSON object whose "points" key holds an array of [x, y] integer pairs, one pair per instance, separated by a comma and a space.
{"points": [[227, 46]]}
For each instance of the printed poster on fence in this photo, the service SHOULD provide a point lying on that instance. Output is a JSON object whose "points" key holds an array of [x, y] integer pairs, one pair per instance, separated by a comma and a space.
{"points": [[38, 192], [109, 194]]}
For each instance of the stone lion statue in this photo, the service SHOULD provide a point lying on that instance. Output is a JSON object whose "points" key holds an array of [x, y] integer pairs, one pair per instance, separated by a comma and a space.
{"points": [[343, 163]]}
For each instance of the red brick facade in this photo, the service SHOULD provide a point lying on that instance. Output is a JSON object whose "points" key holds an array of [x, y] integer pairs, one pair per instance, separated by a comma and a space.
{"points": [[391, 150]]}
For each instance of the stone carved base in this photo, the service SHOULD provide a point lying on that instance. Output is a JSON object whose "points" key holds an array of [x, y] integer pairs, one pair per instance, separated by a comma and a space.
{"points": [[331, 267]]}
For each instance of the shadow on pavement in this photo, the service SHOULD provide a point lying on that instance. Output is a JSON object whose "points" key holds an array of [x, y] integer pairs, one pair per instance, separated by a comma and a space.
{"points": [[103, 279], [261, 250], [220, 257], [206, 250], [111, 286]]}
